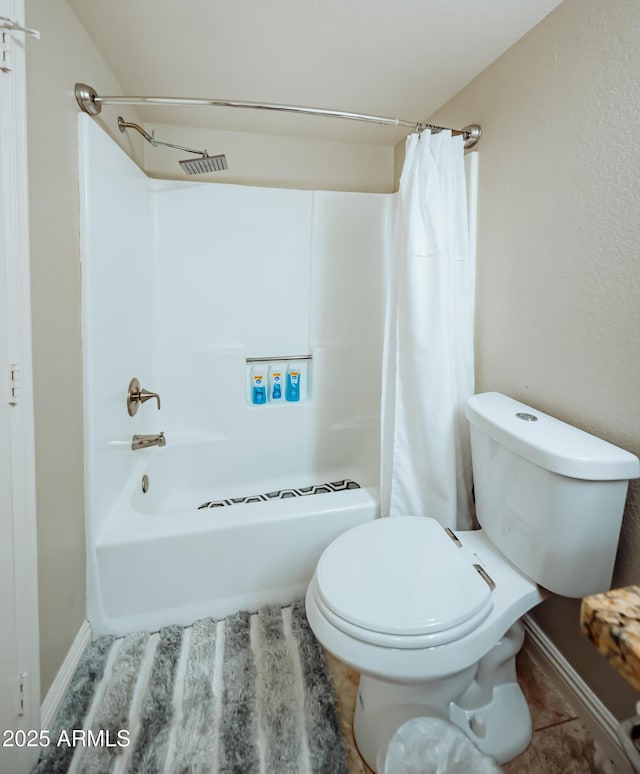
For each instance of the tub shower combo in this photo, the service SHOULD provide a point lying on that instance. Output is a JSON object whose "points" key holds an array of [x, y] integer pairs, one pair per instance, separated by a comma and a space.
{"points": [[201, 501]]}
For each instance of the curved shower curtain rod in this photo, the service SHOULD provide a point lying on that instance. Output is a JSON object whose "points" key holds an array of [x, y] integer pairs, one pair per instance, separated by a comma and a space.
{"points": [[91, 102]]}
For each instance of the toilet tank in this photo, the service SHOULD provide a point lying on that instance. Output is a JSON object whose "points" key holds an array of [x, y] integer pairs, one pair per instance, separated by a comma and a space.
{"points": [[549, 496]]}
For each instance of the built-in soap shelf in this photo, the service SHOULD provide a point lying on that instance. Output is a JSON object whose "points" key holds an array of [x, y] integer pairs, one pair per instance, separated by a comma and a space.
{"points": [[278, 381]]}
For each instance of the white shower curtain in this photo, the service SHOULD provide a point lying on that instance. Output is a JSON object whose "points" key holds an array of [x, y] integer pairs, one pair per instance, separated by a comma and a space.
{"points": [[428, 370]]}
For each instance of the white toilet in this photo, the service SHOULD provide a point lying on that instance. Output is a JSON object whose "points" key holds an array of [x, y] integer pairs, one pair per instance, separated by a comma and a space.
{"points": [[431, 617]]}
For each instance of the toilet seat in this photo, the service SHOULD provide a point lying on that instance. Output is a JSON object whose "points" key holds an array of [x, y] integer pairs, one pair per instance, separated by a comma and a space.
{"points": [[401, 582]]}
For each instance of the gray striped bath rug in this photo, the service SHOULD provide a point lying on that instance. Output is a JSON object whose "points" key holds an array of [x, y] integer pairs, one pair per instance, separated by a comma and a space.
{"points": [[250, 693]]}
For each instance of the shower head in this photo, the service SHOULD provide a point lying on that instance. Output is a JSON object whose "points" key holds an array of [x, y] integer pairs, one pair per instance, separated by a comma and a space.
{"points": [[204, 164]]}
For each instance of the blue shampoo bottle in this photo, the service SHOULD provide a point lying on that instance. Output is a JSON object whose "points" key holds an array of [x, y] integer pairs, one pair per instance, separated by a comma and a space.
{"points": [[292, 392], [275, 383], [258, 387]]}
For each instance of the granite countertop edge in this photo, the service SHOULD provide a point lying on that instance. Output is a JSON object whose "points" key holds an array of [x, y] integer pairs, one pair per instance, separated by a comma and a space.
{"points": [[611, 621]]}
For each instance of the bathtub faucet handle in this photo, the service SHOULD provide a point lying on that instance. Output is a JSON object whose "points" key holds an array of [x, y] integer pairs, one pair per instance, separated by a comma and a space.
{"points": [[137, 395]]}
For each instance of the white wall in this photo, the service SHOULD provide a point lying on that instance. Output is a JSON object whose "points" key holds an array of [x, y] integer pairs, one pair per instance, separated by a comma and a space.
{"points": [[260, 272], [558, 305]]}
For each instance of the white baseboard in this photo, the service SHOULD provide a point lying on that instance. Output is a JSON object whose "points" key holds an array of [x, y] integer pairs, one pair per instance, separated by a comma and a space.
{"points": [[61, 682], [598, 720]]}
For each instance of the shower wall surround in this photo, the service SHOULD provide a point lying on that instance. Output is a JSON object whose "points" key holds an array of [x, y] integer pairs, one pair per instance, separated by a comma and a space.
{"points": [[116, 220], [242, 272], [182, 282]]}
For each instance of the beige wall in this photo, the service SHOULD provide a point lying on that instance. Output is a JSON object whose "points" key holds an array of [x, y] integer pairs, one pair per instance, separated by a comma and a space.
{"points": [[270, 160], [62, 56], [558, 312]]}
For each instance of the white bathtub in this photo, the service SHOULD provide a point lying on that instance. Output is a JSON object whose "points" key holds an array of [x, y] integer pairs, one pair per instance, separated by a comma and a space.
{"points": [[159, 560]]}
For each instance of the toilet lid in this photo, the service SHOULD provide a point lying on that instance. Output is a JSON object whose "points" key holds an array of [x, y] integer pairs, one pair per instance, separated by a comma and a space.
{"points": [[401, 576]]}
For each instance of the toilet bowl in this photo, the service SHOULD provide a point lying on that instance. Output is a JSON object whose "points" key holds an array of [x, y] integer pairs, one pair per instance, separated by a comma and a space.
{"points": [[431, 617], [398, 598], [416, 613]]}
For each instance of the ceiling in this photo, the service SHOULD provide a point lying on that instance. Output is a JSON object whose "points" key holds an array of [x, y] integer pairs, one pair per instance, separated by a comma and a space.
{"points": [[397, 58]]}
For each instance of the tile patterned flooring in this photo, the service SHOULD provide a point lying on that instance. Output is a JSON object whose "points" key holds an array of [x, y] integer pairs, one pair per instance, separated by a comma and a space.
{"points": [[560, 743]]}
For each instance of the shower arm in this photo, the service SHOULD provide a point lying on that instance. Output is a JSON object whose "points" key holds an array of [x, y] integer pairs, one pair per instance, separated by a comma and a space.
{"points": [[122, 125]]}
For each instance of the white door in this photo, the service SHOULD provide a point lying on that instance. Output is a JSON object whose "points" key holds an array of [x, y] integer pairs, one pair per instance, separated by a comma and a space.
{"points": [[19, 647]]}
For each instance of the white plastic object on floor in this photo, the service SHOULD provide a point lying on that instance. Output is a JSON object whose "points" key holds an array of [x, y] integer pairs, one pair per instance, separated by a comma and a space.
{"points": [[428, 745]]}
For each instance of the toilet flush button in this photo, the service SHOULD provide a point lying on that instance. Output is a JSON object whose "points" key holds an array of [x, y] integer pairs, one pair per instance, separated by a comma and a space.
{"points": [[527, 417]]}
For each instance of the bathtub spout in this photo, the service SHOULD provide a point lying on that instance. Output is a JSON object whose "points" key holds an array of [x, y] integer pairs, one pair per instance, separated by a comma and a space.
{"points": [[144, 441]]}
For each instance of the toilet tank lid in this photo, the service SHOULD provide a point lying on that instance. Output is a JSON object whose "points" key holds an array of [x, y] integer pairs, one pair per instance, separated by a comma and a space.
{"points": [[549, 442]]}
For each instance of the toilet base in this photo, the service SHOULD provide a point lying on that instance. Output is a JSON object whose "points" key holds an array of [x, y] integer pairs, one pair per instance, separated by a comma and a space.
{"points": [[485, 701], [493, 711], [502, 728]]}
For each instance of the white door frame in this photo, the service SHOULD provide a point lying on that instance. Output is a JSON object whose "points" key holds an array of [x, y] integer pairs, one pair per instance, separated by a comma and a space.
{"points": [[17, 397]]}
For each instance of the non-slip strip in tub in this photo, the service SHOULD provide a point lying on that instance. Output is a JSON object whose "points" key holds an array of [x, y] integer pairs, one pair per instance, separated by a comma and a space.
{"points": [[281, 494]]}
